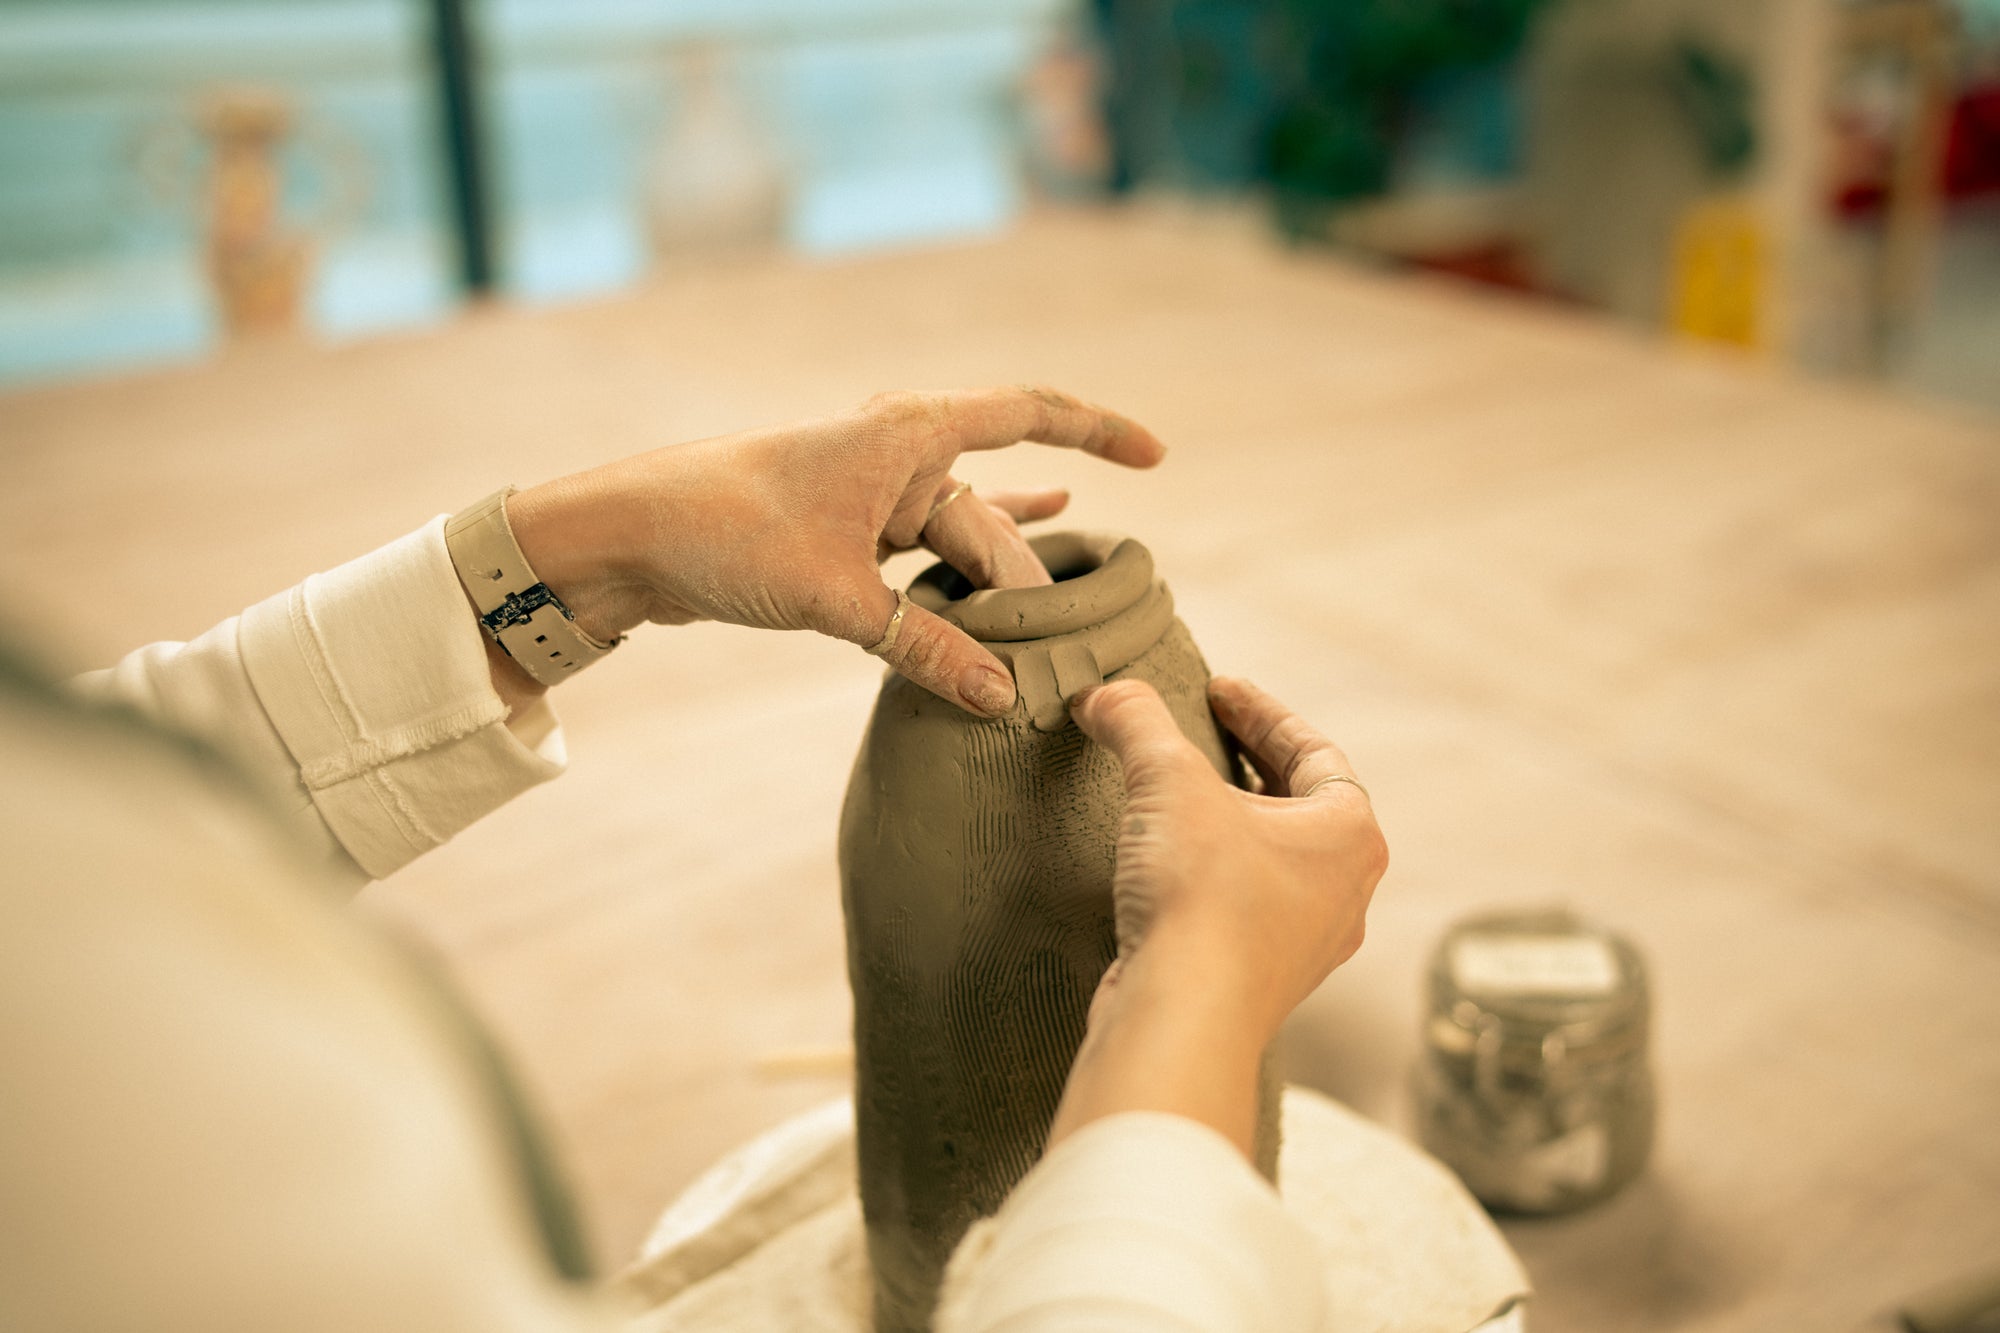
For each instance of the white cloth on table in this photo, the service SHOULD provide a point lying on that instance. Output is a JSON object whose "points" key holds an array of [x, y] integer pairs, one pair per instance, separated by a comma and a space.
{"points": [[1382, 1237]]}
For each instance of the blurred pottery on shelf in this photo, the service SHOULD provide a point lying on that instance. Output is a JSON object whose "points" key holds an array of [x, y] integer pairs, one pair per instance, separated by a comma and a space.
{"points": [[230, 161], [714, 184]]}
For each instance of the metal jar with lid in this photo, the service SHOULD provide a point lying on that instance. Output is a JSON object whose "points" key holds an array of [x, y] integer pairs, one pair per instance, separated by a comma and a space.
{"points": [[1534, 1083]]}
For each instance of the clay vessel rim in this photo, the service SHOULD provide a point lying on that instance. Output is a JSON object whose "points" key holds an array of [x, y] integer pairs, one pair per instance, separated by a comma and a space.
{"points": [[1114, 643], [1116, 574]]}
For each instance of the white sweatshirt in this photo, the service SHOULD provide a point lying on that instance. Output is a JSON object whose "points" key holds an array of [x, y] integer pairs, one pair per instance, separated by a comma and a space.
{"points": [[225, 1104]]}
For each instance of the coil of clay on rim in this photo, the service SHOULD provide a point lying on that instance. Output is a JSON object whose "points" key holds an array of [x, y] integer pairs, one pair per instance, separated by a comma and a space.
{"points": [[1104, 610]]}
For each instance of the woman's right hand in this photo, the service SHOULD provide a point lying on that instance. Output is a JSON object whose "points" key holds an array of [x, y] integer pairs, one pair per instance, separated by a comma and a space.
{"points": [[1232, 906]]}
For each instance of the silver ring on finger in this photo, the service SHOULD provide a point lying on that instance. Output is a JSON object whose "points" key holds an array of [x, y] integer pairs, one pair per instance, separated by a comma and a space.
{"points": [[888, 640], [1348, 778]]}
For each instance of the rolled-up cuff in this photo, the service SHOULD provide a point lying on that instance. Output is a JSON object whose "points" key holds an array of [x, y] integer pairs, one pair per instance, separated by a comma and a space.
{"points": [[375, 678], [1142, 1221]]}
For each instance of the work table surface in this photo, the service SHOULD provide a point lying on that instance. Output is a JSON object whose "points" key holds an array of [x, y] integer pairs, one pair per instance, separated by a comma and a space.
{"points": [[1708, 652]]}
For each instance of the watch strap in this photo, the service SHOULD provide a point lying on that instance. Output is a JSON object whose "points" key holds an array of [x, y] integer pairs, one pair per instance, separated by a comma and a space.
{"points": [[518, 610]]}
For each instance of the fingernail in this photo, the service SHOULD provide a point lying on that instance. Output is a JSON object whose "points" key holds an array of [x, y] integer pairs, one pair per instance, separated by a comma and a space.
{"points": [[990, 692]]}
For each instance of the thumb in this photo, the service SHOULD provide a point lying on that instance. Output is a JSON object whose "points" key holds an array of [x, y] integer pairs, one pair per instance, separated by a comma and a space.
{"points": [[945, 660], [1129, 718]]}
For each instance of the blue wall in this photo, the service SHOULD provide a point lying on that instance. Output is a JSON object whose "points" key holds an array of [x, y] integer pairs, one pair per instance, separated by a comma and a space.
{"points": [[891, 120]]}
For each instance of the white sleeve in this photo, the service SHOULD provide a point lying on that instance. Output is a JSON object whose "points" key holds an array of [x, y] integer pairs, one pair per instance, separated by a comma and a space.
{"points": [[1137, 1223], [228, 1105], [361, 699]]}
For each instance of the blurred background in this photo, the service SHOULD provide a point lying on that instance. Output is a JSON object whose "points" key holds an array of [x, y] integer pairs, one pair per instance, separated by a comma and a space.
{"points": [[1524, 367], [1815, 180]]}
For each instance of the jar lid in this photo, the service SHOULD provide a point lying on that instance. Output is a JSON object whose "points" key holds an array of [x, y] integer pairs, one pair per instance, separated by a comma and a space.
{"points": [[1540, 971]]}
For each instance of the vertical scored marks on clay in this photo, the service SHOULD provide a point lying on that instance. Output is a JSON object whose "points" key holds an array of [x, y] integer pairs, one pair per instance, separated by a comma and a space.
{"points": [[976, 872]]}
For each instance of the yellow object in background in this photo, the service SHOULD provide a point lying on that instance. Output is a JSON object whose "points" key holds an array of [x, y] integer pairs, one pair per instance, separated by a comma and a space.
{"points": [[1720, 272]]}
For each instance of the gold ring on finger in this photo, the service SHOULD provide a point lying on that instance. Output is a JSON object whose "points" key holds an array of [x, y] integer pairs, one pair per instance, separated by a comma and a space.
{"points": [[938, 508], [1338, 777]]}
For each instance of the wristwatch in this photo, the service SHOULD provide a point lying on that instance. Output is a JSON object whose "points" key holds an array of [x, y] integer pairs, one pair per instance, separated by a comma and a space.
{"points": [[519, 612]]}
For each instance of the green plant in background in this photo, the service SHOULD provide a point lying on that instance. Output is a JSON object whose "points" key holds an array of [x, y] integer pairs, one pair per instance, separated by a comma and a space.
{"points": [[1350, 69], [1718, 94]]}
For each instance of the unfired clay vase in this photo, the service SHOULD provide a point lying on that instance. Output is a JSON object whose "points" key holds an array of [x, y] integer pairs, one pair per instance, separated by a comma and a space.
{"points": [[976, 860]]}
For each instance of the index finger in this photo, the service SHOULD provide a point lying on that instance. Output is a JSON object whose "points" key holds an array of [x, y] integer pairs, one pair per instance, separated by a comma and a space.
{"points": [[1279, 739], [997, 418]]}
